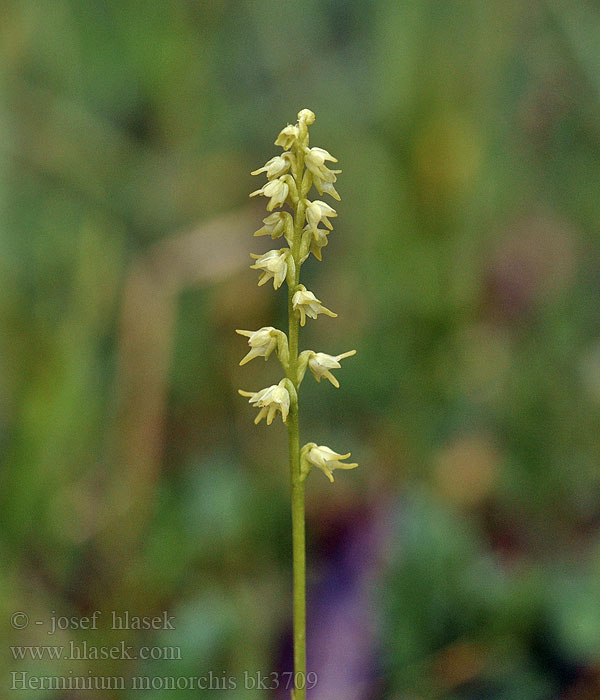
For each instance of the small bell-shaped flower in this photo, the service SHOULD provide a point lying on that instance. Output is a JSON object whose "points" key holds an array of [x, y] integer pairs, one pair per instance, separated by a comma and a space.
{"points": [[276, 190], [272, 400], [262, 342], [318, 241], [324, 187], [318, 211], [307, 304], [273, 264], [276, 224], [315, 161], [287, 137], [324, 458], [278, 165], [321, 364]]}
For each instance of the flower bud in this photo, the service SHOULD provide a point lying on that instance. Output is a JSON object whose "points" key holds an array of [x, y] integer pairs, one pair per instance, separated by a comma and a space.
{"points": [[306, 116]]}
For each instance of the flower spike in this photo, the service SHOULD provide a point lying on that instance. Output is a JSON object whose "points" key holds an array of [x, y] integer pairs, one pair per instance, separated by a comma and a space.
{"points": [[305, 226]]}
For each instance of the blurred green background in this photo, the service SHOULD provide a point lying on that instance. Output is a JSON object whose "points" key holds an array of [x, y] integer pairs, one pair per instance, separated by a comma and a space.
{"points": [[462, 560]]}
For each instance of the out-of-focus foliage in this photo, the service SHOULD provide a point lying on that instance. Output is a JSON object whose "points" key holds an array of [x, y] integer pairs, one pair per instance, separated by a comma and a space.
{"points": [[462, 560]]}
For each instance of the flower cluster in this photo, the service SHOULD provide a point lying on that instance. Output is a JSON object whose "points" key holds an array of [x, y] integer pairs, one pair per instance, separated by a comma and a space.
{"points": [[305, 225]]}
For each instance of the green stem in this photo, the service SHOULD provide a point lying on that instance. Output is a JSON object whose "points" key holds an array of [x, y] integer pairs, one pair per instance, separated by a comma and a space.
{"points": [[297, 485], [299, 559]]}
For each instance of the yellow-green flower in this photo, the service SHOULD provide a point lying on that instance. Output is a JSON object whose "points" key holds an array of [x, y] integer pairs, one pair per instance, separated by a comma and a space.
{"points": [[326, 187], [278, 165], [315, 161], [318, 241], [307, 304], [276, 190], [318, 211], [321, 364], [262, 342], [276, 224], [324, 458], [287, 137], [272, 400], [273, 264]]}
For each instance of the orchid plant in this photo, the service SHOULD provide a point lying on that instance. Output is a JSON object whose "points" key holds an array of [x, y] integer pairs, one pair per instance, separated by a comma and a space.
{"points": [[290, 178]]}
